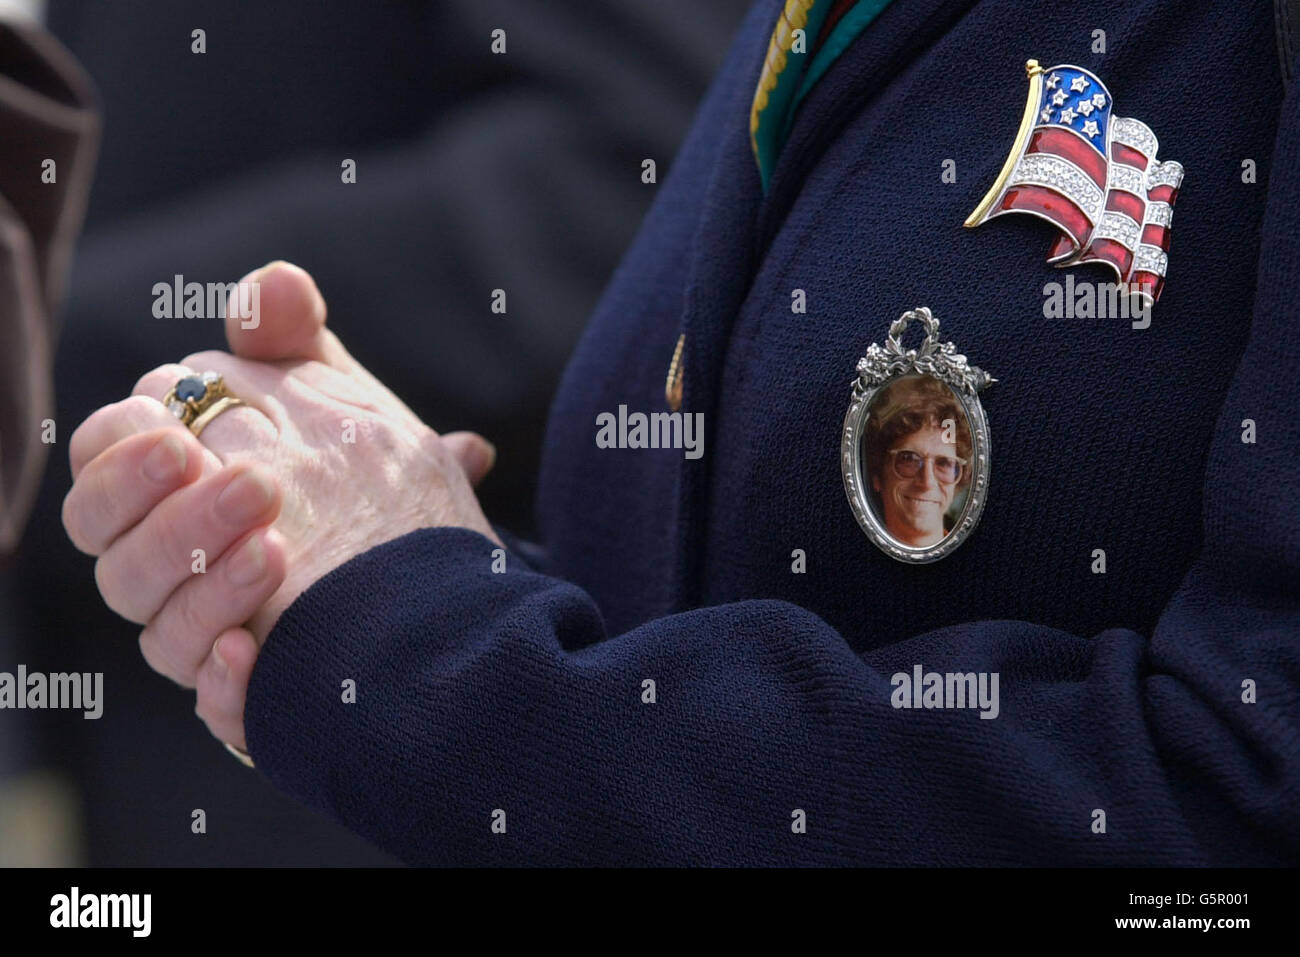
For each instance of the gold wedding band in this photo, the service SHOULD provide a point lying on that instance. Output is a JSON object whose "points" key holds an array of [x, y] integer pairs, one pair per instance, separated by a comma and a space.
{"points": [[211, 412], [198, 399]]}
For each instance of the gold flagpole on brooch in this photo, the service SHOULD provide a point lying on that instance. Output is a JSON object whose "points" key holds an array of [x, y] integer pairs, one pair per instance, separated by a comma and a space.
{"points": [[1035, 73]]}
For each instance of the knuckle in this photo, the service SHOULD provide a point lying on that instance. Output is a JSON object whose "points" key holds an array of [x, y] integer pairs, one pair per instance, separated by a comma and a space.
{"points": [[362, 426], [170, 536], [136, 414], [156, 656], [87, 511], [320, 470], [103, 500], [207, 703], [140, 407], [78, 444], [445, 463], [94, 434], [185, 625], [149, 651], [146, 386], [240, 428], [73, 521], [109, 581], [202, 361], [431, 444]]}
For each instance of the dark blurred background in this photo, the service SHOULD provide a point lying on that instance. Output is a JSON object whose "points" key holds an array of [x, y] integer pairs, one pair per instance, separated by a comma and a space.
{"points": [[475, 172]]}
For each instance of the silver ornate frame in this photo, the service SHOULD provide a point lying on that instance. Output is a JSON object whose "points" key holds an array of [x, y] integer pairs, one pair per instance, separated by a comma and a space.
{"points": [[881, 366]]}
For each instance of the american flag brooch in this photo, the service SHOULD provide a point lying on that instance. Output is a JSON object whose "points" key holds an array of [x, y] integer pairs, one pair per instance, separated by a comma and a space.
{"points": [[1093, 175]]}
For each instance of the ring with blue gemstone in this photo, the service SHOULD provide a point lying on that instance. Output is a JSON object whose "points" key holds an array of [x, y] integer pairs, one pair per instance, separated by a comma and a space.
{"points": [[198, 399]]}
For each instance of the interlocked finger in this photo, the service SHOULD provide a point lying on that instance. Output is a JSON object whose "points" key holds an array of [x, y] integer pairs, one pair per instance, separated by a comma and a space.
{"points": [[178, 639], [191, 526], [124, 483]]}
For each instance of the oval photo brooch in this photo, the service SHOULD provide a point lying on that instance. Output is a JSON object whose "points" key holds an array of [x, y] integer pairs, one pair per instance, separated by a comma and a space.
{"points": [[915, 447]]}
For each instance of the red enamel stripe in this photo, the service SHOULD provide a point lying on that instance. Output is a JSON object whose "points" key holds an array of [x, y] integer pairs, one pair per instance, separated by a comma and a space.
{"points": [[1154, 235], [1150, 283], [1060, 247], [1127, 203], [1049, 203], [1127, 155], [1163, 194], [1063, 143], [1110, 251]]}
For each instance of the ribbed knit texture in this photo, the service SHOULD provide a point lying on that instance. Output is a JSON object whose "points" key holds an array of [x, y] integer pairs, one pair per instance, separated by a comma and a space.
{"points": [[1119, 691]]}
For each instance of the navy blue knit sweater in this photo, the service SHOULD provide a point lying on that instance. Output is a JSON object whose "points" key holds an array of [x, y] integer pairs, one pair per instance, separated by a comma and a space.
{"points": [[520, 698]]}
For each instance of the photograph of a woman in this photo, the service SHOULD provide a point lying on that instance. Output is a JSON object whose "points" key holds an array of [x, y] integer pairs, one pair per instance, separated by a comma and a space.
{"points": [[918, 456]]}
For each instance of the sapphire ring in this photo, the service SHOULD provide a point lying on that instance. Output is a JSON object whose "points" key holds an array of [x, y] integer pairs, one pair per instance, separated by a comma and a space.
{"points": [[198, 399]]}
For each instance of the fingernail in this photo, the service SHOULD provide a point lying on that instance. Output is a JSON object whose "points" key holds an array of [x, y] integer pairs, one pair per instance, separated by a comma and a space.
{"points": [[223, 668], [248, 564], [165, 462], [247, 497]]}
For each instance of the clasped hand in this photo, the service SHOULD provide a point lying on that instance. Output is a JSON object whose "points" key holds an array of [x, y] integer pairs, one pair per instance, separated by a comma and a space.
{"points": [[206, 541]]}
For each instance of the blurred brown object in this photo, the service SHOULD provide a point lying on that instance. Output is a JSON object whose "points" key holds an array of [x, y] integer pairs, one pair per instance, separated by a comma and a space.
{"points": [[40, 821], [49, 137]]}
